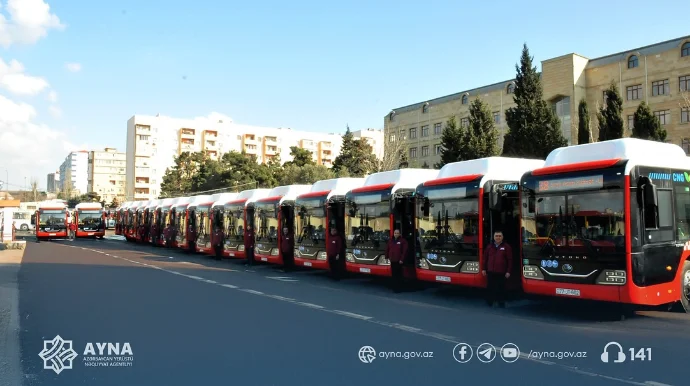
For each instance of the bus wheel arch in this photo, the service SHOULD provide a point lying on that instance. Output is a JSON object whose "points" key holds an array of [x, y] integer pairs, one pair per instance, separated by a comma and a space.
{"points": [[685, 286]]}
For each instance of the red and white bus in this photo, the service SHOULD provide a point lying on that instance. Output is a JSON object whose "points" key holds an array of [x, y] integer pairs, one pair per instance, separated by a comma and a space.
{"points": [[271, 215], [51, 219], [132, 221], [457, 213], [237, 214], [90, 219], [160, 221], [120, 218], [316, 213], [178, 217], [609, 221], [206, 213], [374, 211], [191, 229]]}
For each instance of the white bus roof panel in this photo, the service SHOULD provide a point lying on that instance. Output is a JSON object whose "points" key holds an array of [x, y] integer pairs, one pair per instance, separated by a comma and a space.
{"points": [[223, 198], [153, 204], [402, 179], [88, 205], [337, 186], [636, 151], [491, 168], [289, 192], [197, 200], [183, 201], [251, 195], [165, 202]]}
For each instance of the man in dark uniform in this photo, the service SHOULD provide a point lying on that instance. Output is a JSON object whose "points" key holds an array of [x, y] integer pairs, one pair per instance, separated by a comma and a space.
{"points": [[497, 266], [249, 244], [396, 251], [334, 251], [287, 249]]}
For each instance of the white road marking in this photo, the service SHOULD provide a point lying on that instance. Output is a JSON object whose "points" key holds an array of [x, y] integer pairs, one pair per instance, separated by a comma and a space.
{"points": [[351, 314], [229, 286], [281, 278], [251, 291], [310, 305], [211, 281], [281, 298]]}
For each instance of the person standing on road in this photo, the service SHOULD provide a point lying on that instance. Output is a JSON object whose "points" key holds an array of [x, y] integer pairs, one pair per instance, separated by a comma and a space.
{"points": [[249, 244], [496, 267], [334, 250], [287, 249], [396, 251]]}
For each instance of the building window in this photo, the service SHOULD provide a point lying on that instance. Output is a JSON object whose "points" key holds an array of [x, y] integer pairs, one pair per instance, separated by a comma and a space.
{"points": [[685, 50], [684, 83], [685, 115], [144, 137], [633, 61], [634, 92], [497, 117], [631, 122], [464, 122], [437, 149], [413, 152], [685, 144], [413, 133], [464, 99], [391, 116], [425, 131], [402, 135], [510, 89], [425, 108], [391, 138], [437, 129], [664, 116], [425, 151], [661, 87]]}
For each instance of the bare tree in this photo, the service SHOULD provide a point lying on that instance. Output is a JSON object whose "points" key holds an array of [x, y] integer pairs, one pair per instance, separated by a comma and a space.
{"points": [[67, 190], [391, 155], [34, 189]]}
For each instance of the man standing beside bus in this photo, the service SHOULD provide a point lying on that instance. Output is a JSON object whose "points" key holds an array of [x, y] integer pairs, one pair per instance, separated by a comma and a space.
{"points": [[287, 249], [496, 267], [249, 244], [333, 251], [396, 251]]}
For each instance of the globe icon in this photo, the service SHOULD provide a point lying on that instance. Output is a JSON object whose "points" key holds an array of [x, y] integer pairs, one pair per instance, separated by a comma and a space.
{"points": [[367, 354]]}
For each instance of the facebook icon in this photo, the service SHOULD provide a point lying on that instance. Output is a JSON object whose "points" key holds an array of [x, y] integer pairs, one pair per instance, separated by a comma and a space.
{"points": [[462, 352]]}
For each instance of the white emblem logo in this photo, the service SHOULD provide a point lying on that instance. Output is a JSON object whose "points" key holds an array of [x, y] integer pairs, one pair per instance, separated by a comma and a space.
{"points": [[57, 354]]}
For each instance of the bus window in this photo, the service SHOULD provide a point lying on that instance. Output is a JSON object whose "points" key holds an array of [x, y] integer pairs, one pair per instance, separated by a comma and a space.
{"points": [[665, 232], [683, 213]]}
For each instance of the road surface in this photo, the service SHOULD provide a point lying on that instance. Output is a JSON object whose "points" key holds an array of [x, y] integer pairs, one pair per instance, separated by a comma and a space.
{"points": [[191, 320]]}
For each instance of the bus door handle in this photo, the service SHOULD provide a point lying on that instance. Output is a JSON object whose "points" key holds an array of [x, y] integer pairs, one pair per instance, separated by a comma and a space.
{"points": [[680, 245]]}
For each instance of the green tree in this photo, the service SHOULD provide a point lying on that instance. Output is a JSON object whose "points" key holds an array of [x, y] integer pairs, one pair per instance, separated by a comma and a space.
{"points": [[646, 125], [583, 133], [534, 128], [115, 203], [180, 178], [356, 156], [425, 165], [451, 143], [240, 171], [301, 157], [480, 138], [404, 163], [308, 174], [208, 175], [610, 115]]}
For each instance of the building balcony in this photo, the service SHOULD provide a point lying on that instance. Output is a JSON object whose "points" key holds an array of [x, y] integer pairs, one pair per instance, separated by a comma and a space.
{"points": [[272, 140], [325, 145], [251, 150], [211, 145], [141, 196], [143, 129], [142, 172], [210, 135], [187, 147], [250, 141], [187, 133]]}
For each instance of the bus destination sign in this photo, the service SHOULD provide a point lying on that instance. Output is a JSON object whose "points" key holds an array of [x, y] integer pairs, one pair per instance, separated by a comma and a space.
{"points": [[567, 184]]}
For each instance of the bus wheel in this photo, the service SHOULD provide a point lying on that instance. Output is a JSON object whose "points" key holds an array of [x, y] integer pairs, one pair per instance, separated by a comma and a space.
{"points": [[685, 287]]}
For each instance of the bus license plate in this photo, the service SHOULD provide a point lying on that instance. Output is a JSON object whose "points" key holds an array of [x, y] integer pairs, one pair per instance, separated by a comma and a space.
{"points": [[52, 234], [568, 292], [365, 270], [232, 254], [264, 259], [443, 278], [90, 234], [307, 264]]}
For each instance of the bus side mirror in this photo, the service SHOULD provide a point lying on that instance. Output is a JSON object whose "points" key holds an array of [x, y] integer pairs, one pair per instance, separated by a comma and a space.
{"points": [[426, 208]]}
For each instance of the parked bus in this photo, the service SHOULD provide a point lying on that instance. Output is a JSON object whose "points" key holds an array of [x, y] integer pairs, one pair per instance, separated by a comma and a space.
{"points": [[458, 212], [160, 221], [178, 213], [237, 214], [318, 211], [90, 220], [211, 243], [51, 218], [120, 215], [272, 214], [190, 231], [374, 211], [132, 225], [608, 221], [24, 219]]}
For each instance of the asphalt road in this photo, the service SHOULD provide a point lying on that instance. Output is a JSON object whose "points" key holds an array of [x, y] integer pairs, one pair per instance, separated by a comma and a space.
{"points": [[192, 320]]}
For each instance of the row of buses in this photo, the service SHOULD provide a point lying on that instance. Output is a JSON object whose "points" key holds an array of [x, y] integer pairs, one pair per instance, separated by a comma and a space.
{"points": [[607, 221], [52, 219]]}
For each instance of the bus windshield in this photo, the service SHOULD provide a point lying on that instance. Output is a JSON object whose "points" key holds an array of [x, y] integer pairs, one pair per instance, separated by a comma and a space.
{"points": [[577, 223], [54, 219], [451, 226], [90, 219], [233, 222], [267, 222], [368, 224], [310, 221], [203, 222]]}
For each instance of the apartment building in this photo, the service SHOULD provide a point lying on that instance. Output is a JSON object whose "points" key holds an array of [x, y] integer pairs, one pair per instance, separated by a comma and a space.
{"points": [[107, 174], [375, 139], [75, 169], [153, 142], [658, 74], [53, 182]]}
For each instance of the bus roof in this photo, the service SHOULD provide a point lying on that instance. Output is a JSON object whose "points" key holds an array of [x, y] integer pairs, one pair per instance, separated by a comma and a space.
{"points": [[152, 204], [223, 198], [183, 201], [165, 202], [124, 205], [490, 168], [397, 179], [333, 187], [246, 197], [88, 205], [198, 200], [52, 205], [635, 151], [286, 193]]}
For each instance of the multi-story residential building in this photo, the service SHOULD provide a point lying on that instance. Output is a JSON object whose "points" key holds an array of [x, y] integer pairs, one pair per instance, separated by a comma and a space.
{"points": [[107, 174], [374, 137], [153, 142], [51, 185], [658, 74], [75, 169]]}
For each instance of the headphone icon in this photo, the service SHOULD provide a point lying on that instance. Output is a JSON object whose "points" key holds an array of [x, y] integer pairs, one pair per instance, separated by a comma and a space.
{"points": [[605, 354]]}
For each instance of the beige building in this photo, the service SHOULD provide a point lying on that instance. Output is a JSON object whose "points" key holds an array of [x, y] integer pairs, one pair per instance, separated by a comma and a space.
{"points": [[374, 137], [106, 174], [153, 142], [658, 74]]}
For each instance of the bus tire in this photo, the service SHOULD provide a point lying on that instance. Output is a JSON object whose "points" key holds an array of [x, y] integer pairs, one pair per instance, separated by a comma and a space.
{"points": [[685, 288]]}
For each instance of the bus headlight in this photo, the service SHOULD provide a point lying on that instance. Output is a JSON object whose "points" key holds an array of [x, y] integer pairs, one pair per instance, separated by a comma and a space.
{"points": [[470, 267], [349, 257], [322, 256], [423, 264], [612, 277], [532, 272], [274, 252], [240, 248], [383, 261]]}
